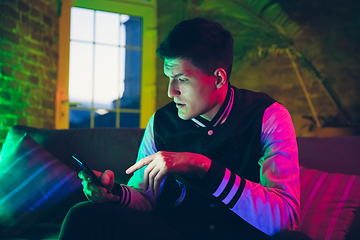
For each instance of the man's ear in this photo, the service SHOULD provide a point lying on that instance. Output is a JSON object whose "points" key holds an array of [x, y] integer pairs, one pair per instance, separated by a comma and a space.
{"points": [[221, 77]]}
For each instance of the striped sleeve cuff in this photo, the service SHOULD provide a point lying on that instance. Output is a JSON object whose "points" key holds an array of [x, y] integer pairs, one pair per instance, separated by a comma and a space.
{"points": [[123, 192], [223, 184]]}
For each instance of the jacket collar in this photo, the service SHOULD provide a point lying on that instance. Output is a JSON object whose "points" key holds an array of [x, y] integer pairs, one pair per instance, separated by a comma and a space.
{"points": [[222, 114]]}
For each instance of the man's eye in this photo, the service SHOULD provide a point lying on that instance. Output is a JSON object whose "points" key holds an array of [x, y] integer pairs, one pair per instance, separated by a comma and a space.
{"points": [[182, 79]]}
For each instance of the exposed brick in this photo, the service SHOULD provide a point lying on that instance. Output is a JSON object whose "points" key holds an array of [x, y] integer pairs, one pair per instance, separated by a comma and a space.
{"points": [[5, 95], [14, 84], [25, 19], [19, 75], [35, 13], [8, 11], [8, 23], [38, 4], [32, 57], [24, 29], [48, 40], [8, 108], [51, 74], [37, 26], [25, 89], [37, 36], [47, 20], [6, 71], [4, 83], [9, 122], [49, 123], [35, 111], [32, 46], [31, 111], [29, 34], [34, 80], [45, 61], [36, 91], [52, 10], [48, 104], [28, 67], [20, 51], [36, 122], [12, 37], [11, 3], [34, 100], [9, 60], [50, 113], [22, 6], [5, 47], [22, 121]]}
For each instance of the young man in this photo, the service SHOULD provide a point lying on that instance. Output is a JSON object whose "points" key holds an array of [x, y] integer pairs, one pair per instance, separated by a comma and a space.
{"points": [[216, 163]]}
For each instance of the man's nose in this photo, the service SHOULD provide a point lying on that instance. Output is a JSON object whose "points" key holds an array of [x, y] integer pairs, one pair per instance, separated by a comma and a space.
{"points": [[173, 89]]}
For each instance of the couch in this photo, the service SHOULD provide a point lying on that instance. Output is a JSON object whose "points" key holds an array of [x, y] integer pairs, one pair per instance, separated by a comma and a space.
{"points": [[39, 183]]}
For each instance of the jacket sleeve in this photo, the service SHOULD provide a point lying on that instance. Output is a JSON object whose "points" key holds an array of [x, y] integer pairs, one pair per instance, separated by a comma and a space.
{"points": [[132, 194], [273, 204]]}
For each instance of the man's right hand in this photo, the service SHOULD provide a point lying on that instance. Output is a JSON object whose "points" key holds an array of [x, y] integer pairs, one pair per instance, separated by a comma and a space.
{"points": [[96, 194]]}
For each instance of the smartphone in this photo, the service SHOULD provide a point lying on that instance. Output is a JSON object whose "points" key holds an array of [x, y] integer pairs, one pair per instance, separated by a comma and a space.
{"points": [[87, 169]]}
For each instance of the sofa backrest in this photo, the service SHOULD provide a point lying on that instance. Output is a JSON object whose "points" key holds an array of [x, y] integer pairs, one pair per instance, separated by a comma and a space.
{"points": [[332, 155], [117, 148], [101, 148]]}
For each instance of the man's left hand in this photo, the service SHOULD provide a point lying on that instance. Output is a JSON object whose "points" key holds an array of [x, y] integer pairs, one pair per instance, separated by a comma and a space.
{"points": [[163, 163]]}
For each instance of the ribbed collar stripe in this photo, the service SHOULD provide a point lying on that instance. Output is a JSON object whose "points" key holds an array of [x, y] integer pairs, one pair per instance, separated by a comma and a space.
{"points": [[223, 116], [227, 109]]}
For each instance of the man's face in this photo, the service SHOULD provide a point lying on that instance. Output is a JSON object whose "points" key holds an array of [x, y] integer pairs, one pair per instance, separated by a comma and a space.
{"points": [[194, 92]]}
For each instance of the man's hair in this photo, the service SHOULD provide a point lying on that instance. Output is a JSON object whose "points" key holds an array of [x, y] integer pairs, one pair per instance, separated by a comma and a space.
{"points": [[205, 43]]}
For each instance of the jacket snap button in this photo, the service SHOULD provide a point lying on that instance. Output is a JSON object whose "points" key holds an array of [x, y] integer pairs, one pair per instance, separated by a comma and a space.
{"points": [[210, 132], [212, 227]]}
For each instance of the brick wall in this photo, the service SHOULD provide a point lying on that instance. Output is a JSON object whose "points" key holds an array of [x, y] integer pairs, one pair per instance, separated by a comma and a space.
{"points": [[28, 63]]}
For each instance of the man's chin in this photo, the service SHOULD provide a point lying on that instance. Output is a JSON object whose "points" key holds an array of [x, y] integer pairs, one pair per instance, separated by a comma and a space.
{"points": [[183, 116]]}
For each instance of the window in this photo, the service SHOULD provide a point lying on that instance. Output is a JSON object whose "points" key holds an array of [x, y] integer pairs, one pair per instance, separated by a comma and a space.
{"points": [[111, 47], [105, 68]]}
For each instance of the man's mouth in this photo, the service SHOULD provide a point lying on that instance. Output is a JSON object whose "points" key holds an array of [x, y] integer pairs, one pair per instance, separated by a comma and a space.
{"points": [[180, 105]]}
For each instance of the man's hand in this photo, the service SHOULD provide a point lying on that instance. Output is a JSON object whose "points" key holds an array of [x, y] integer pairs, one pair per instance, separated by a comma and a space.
{"points": [[96, 194], [162, 163]]}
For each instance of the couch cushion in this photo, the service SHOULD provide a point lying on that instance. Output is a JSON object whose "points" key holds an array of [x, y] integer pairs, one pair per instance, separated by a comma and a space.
{"points": [[32, 183], [328, 203]]}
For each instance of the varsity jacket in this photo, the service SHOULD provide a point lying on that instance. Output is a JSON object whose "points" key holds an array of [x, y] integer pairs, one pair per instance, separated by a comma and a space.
{"points": [[254, 174]]}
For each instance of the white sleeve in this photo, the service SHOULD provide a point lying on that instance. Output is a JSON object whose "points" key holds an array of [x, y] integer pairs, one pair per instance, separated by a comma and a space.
{"points": [[134, 195]]}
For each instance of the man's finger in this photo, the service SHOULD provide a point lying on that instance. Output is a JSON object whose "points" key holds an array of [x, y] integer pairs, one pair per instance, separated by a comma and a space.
{"points": [[157, 181], [83, 175], [153, 178], [139, 164], [147, 173], [107, 177]]}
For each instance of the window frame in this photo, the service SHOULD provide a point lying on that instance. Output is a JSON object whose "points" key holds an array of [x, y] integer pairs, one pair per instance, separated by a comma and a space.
{"points": [[144, 9]]}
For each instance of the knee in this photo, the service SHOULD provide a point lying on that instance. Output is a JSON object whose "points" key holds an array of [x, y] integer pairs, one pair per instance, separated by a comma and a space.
{"points": [[79, 210]]}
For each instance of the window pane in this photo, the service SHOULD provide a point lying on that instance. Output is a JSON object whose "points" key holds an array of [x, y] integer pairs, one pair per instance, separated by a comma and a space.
{"points": [[79, 118], [82, 24], [80, 73], [105, 120], [107, 27], [133, 31], [106, 86], [131, 96], [130, 120]]}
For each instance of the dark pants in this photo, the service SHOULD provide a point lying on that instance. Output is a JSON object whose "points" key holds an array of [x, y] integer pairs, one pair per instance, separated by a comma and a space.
{"points": [[108, 221]]}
